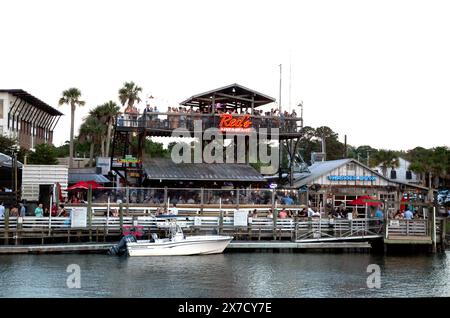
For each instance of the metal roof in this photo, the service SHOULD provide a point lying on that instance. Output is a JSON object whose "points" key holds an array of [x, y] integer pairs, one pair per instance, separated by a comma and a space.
{"points": [[323, 167], [32, 100], [166, 169], [77, 175], [318, 169], [233, 93], [6, 161]]}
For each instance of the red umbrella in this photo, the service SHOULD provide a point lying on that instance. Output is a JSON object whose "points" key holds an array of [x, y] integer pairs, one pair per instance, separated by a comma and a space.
{"points": [[79, 185], [85, 185], [365, 200], [94, 184]]}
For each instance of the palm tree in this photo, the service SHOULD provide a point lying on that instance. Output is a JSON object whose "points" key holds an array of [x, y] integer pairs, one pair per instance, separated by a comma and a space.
{"points": [[110, 112], [386, 159], [91, 131], [72, 98], [129, 94], [106, 114]]}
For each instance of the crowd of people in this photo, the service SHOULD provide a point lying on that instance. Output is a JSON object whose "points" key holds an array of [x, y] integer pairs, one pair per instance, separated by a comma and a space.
{"points": [[184, 117]]}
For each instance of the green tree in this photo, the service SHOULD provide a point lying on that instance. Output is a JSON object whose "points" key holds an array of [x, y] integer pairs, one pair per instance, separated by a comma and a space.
{"points": [[334, 148], [44, 154], [71, 97], [110, 112], [9, 146], [129, 94], [386, 159], [63, 150], [91, 131]]}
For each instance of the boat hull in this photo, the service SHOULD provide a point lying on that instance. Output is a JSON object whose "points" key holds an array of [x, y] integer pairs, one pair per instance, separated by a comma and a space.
{"points": [[194, 245]]}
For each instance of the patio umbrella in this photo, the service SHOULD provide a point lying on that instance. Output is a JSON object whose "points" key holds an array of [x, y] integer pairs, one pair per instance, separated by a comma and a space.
{"points": [[79, 185], [94, 184], [365, 200]]}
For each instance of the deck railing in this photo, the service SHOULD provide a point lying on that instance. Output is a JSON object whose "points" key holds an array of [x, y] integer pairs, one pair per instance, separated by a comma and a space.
{"points": [[415, 227], [171, 121], [256, 228]]}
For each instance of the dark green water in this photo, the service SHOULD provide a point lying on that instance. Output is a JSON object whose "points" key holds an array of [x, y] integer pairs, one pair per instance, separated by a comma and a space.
{"points": [[226, 275]]}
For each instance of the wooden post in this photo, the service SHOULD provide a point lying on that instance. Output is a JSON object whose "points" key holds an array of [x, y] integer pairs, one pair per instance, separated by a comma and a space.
{"points": [[433, 229], [443, 232], [165, 196], [274, 218], [220, 222], [89, 211], [202, 200], [237, 198], [6, 226], [128, 200], [121, 216]]}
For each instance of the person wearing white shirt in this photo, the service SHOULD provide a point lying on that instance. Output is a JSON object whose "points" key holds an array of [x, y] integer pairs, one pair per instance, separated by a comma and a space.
{"points": [[2, 210], [174, 210]]}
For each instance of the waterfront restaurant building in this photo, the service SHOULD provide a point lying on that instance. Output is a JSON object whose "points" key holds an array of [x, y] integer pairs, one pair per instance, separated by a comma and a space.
{"points": [[26, 118], [335, 183]]}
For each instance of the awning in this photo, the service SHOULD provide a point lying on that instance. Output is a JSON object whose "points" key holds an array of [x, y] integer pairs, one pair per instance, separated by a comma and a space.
{"points": [[166, 169], [77, 177]]}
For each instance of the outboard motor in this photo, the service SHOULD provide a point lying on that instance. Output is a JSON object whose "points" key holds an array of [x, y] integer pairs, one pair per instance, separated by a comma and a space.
{"points": [[121, 247]]}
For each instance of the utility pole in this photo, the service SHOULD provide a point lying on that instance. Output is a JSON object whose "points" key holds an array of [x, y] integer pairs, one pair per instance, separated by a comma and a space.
{"points": [[279, 99], [280, 144]]}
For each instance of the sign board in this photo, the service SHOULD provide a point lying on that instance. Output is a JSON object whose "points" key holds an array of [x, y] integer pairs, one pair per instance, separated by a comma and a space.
{"points": [[197, 221], [229, 122], [240, 218], [394, 223], [78, 217], [105, 164], [352, 178]]}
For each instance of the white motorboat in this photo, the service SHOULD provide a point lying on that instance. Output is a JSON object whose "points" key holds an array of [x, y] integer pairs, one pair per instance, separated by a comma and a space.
{"points": [[178, 244]]}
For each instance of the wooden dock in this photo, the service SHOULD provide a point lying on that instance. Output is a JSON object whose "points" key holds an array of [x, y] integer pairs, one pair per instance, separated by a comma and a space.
{"points": [[55, 248], [245, 245], [102, 248]]}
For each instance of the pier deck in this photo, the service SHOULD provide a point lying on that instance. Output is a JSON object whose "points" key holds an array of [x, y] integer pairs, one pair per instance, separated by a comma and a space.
{"points": [[237, 245]]}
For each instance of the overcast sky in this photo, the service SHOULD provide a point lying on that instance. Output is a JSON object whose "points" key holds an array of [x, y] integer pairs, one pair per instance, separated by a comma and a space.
{"points": [[378, 71]]}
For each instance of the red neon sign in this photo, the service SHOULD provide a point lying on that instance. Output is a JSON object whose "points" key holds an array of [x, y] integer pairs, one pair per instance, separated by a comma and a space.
{"points": [[230, 123]]}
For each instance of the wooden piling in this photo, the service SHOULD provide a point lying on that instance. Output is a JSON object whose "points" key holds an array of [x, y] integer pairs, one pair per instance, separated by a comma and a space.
{"points": [[89, 211], [121, 216]]}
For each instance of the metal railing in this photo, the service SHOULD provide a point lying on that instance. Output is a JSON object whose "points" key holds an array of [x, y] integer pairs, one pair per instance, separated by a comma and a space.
{"points": [[170, 121]]}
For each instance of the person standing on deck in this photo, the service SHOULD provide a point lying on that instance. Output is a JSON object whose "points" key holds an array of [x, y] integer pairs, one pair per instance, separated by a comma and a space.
{"points": [[408, 215], [39, 212], [2, 210], [23, 210], [379, 214]]}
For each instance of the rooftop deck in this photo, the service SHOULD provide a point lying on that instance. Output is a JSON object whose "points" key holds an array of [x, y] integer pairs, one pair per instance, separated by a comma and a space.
{"points": [[163, 124]]}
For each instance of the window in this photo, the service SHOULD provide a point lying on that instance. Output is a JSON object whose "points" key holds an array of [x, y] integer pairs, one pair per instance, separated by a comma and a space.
{"points": [[393, 174], [408, 175], [351, 166], [1, 108]]}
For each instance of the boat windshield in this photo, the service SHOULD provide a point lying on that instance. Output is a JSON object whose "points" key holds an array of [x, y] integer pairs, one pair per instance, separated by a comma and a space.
{"points": [[175, 230]]}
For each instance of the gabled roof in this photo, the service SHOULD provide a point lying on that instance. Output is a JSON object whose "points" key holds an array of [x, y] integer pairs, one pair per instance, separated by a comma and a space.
{"points": [[230, 95], [86, 174], [166, 169], [7, 161], [20, 93], [323, 167], [318, 169]]}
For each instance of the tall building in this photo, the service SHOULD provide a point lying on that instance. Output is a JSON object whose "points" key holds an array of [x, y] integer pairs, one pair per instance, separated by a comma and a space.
{"points": [[26, 118]]}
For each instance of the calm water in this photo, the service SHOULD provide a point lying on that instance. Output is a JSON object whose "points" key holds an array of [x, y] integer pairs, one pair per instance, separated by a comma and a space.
{"points": [[225, 275]]}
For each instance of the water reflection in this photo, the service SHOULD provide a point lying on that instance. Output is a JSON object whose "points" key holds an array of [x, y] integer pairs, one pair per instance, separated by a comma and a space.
{"points": [[225, 275]]}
